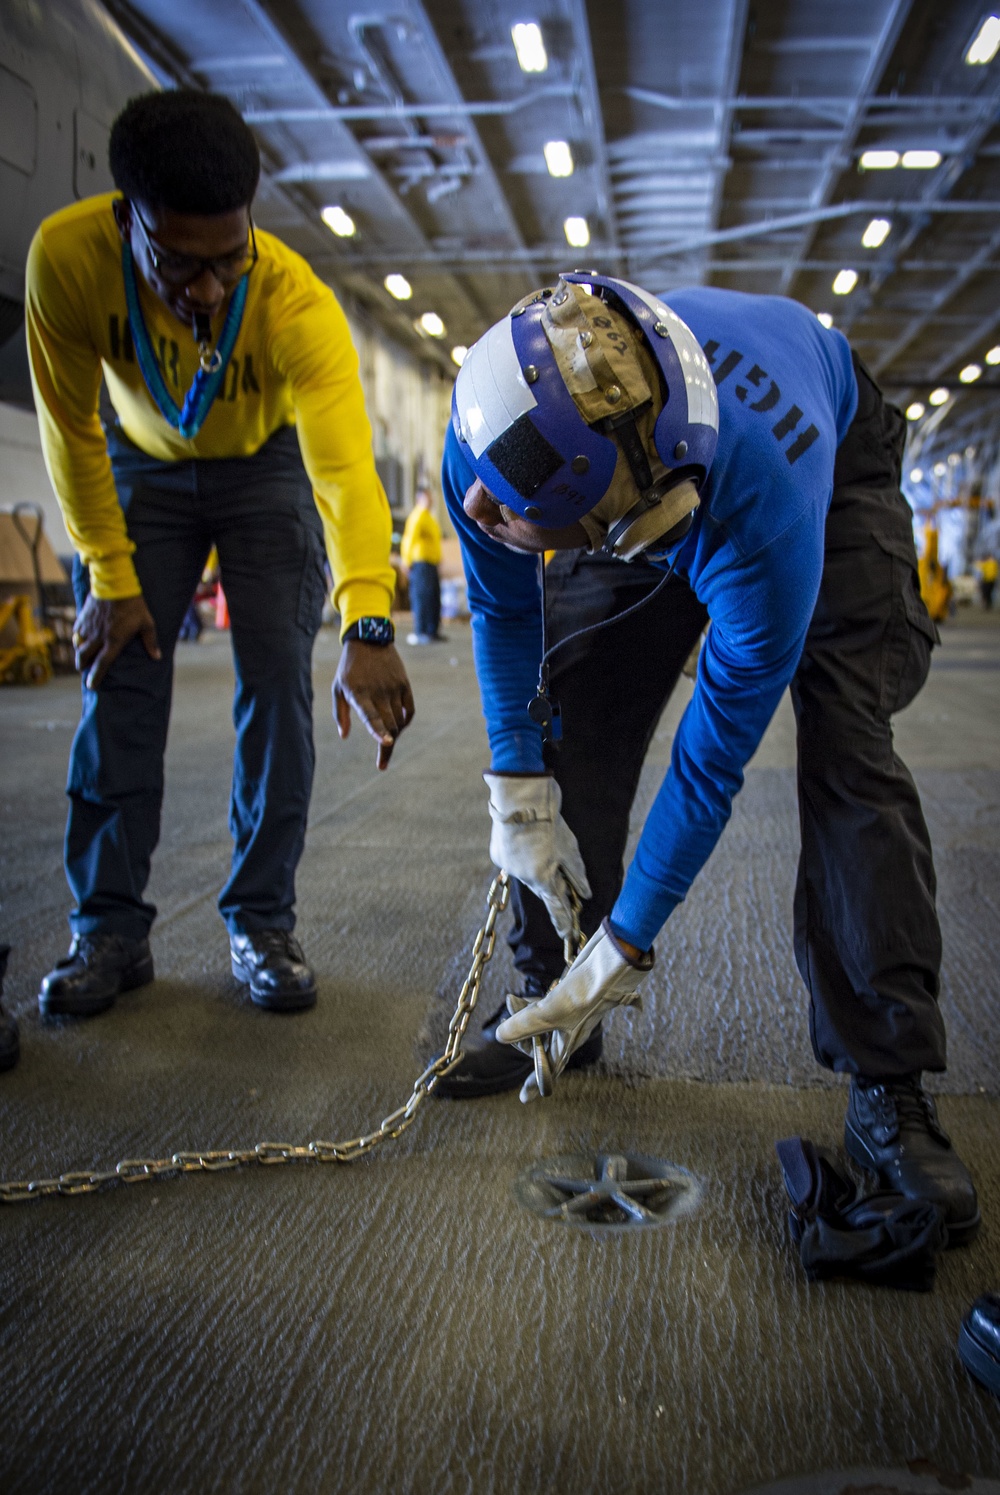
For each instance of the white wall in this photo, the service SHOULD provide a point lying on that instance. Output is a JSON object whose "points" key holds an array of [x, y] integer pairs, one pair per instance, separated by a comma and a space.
{"points": [[23, 478], [409, 405]]}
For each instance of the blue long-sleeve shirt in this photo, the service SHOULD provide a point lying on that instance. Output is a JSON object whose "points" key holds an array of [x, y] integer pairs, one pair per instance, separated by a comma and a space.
{"points": [[754, 557]]}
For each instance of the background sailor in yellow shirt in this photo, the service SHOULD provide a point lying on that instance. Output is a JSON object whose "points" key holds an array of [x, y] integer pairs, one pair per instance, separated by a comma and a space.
{"points": [[239, 414], [420, 551]]}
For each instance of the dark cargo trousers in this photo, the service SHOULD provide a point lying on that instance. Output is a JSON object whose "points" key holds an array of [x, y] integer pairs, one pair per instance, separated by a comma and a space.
{"points": [[259, 512], [867, 940]]}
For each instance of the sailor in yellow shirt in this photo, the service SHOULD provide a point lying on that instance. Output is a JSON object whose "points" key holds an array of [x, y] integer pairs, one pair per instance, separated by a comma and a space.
{"points": [[420, 552], [238, 415]]}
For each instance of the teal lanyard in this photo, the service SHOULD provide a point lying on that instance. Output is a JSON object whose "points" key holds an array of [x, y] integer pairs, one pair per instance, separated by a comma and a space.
{"points": [[188, 418]]}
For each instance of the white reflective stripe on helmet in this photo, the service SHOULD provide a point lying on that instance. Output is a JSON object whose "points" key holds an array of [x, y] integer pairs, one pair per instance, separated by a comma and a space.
{"points": [[490, 392], [703, 402]]}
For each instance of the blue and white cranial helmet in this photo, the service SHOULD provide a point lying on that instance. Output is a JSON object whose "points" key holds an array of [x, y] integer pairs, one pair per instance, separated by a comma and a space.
{"points": [[542, 396]]}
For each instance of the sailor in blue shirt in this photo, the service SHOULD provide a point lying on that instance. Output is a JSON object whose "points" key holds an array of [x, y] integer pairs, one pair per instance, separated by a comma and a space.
{"points": [[736, 456]]}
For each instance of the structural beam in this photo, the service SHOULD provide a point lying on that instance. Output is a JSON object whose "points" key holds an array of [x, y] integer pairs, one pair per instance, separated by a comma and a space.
{"points": [[593, 118], [726, 112], [961, 278], [819, 197]]}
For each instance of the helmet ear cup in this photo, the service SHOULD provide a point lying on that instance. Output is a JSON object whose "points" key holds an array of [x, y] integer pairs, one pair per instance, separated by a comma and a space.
{"points": [[656, 523]]}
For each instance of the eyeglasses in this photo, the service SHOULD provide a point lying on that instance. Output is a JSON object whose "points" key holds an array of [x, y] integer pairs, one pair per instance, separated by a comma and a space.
{"points": [[182, 269]]}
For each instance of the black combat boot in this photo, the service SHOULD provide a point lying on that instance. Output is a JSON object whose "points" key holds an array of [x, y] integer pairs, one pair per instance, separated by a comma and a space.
{"points": [[97, 968], [10, 1044], [488, 1067], [892, 1129], [272, 963]]}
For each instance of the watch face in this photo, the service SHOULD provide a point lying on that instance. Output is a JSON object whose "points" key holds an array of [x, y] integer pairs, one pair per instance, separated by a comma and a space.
{"points": [[375, 630]]}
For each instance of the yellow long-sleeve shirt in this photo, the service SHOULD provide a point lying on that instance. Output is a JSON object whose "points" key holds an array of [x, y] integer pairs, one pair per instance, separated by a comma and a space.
{"points": [[421, 538], [293, 364]]}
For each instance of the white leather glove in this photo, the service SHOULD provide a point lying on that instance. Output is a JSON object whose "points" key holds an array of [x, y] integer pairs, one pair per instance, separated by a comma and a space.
{"points": [[599, 980], [533, 842]]}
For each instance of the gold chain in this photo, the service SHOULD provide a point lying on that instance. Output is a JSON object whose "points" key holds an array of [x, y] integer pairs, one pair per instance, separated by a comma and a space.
{"points": [[138, 1170]]}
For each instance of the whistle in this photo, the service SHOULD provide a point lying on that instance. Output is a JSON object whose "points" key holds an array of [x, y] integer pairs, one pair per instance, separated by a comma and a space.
{"points": [[209, 359]]}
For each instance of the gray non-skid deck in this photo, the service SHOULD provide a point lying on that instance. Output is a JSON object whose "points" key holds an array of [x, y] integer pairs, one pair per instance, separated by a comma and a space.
{"points": [[401, 1324]]}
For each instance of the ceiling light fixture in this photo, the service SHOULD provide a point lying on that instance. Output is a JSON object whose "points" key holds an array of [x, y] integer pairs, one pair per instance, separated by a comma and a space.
{"points": [[921, 160], [558, 157], [398, 286], [937, 396], [459, 354], [529, 46], [971, 373], [341, 223], [876, 233], [984, 45], [940, 469], [845, 282], [993, 356], [825, 318], [915, 411], [432, 324], [916, 475], [577, 231], [878, 160]]}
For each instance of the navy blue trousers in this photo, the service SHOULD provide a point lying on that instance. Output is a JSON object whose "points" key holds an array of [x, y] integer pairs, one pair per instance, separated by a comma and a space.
{"points": [[425, 598], [259, 512], [867, 939]]}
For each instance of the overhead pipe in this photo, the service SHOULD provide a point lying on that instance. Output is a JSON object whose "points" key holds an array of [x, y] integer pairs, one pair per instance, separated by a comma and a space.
{"points": [[409, 111]]}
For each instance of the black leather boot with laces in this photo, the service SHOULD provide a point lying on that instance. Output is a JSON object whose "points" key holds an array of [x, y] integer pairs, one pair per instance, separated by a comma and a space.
{"points": [[892, 1129], [271, 962], [97, 969]]}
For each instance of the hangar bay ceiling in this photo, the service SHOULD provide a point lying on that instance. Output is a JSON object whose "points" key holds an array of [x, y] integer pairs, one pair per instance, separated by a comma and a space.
{"points": [[721, 141]]}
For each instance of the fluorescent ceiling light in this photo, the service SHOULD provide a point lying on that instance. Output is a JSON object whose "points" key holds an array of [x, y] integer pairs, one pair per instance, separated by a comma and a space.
{"points": [[937, 396], [970, 373], [984, 45], [459, 354], [921, 160], [577, 231], [398, 286], [876, 233], [432, 323], [341, 223], [916, 475], [845, 282], [825, 318], [993, 356], [878, 160], [558, 158], [915, 411], [323, 171], [531, 54]]}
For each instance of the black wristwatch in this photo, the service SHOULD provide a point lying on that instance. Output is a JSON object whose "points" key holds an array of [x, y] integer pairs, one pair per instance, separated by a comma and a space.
{"points": [[378, 631]]}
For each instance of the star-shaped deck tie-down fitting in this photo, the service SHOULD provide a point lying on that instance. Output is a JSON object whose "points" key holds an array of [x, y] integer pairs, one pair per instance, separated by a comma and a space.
{"points": [[594, 1199]]}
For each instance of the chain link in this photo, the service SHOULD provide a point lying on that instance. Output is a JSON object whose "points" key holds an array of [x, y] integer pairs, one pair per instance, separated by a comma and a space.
{"points": [[141, 1170]]}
